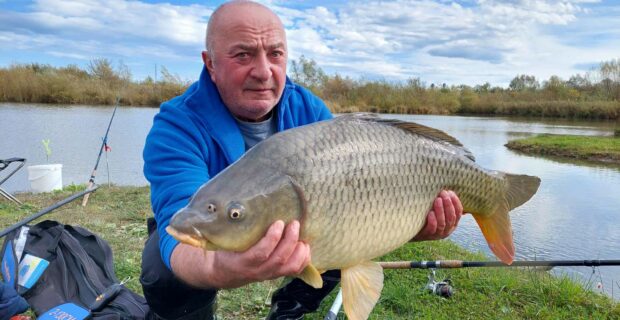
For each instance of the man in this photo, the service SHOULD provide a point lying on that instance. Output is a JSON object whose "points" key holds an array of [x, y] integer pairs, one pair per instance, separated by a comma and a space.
{"points": [[242, 97]]}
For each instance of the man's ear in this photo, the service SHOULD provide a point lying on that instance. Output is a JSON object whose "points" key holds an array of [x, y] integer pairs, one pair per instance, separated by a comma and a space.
{"points": [[206, 58]]}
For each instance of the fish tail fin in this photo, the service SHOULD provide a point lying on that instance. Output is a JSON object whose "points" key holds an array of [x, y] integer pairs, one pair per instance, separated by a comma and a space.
{"points": [[496, 227], [498, 233]]}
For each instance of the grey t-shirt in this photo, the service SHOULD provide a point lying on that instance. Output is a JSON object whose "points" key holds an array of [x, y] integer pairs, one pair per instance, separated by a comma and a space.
{"points": [[255, 132]]}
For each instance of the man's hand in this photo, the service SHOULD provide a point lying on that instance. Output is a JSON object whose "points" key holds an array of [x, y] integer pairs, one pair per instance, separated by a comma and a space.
{"points": [[443, 218], [279, 253]]}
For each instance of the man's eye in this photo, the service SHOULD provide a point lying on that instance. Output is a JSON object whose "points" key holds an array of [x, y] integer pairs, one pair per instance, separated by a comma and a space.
{"points": [[277, 53], [242, 55]]}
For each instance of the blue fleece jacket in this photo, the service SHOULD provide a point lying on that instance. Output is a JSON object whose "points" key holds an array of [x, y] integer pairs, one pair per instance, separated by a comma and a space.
{"points": [[194, 137]]}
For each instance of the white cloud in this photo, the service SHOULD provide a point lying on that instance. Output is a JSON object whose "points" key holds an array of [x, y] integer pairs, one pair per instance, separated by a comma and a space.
{"points": [[448, 42], [142, 35], [440, 41], [306, 40], [179, 24], [98, 28], [64, 54]]}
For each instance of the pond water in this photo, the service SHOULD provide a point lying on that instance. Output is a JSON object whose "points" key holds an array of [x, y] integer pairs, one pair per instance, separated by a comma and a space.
{"points": [[575, 214]]}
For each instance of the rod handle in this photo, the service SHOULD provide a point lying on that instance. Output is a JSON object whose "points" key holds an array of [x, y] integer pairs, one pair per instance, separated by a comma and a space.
{"points": [[86, 196], [395, 265]]}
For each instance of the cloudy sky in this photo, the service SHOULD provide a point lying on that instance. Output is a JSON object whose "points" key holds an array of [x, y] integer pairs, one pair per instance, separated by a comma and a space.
{"points": [[453, 42]]}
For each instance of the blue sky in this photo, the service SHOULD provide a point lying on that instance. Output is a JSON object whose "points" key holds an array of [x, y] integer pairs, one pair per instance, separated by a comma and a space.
{"points": [[453, 42]]}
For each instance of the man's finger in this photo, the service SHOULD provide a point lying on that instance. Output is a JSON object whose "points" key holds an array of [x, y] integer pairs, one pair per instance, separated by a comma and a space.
{"points": [[299, 259], [261, 251], [458, 206], [286, 246], [449, 210], [431, 224], [439, 212]]}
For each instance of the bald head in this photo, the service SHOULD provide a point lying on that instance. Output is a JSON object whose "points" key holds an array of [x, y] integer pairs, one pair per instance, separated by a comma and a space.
{"points": [[236, 10], [246, 58]]}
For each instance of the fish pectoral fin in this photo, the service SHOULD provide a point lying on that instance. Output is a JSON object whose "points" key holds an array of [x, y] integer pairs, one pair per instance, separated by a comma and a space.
{"points": [[498, 233], [311, 276], [361, 288]]}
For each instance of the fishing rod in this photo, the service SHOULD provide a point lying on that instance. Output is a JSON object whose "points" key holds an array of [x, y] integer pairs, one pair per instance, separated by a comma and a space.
{"points": [[48, 210], [104, 143], [453, 264], [444, 288]]}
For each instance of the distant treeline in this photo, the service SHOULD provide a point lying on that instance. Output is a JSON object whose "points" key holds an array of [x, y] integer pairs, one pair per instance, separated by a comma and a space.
{"points": [[593, 95], [100, 84]]}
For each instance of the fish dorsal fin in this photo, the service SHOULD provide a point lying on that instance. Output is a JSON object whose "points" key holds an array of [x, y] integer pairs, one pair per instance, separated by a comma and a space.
{"points": [[415, 128], [361, 288]]}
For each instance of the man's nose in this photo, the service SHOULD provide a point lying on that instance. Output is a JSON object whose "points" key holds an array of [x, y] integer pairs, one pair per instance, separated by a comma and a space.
{"points": [[262, 68]]}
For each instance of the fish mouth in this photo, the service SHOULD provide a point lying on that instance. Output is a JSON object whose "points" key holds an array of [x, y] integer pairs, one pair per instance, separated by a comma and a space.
{"points": [[192, 240]]}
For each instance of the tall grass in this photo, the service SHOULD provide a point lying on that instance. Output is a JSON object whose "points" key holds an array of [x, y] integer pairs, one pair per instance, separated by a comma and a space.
{"points": [[347, 95], [100, 85], [593, 96]]}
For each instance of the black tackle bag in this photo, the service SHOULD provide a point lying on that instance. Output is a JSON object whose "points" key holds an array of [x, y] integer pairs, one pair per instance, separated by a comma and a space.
{"points": [[79, 268]]}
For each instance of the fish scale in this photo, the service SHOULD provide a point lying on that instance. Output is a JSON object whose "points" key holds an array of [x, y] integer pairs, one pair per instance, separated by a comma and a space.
{"points": [[382, 206], [360, 186]]}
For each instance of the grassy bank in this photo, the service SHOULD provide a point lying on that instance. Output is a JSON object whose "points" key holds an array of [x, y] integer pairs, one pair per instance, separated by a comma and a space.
{"points": [[596, 149], [118, 214]]}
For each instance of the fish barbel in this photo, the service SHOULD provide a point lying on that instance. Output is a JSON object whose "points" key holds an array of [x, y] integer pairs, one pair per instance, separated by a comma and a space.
{"points": [[361, 186]]}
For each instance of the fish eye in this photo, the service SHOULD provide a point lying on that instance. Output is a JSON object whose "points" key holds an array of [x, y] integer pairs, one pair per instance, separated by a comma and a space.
{"points": [[235, 211], [235, 214], [211, 208]]}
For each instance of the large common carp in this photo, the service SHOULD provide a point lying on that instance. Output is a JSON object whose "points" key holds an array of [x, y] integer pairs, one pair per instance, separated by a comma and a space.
{"points": [[361, 186]]}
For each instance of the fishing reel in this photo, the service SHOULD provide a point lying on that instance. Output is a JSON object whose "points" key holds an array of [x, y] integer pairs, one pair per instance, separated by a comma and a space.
{"points": [[443, 288]]}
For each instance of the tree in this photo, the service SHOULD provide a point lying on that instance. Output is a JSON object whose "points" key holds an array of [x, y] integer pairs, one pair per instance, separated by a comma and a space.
{"points": [[307, 73], [102, 69], [524, 82], [123, 72], [610, 74], [579, 82], [416, 84], [556, 87], [483, 88], [611, 70]]}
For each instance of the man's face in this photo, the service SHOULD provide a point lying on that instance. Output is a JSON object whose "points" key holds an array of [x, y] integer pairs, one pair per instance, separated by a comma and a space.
{"points": [[248, 61]]}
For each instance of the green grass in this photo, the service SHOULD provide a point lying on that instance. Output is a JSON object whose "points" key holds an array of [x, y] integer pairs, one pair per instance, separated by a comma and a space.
{"points": [[599, 149], [118, 215]]}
